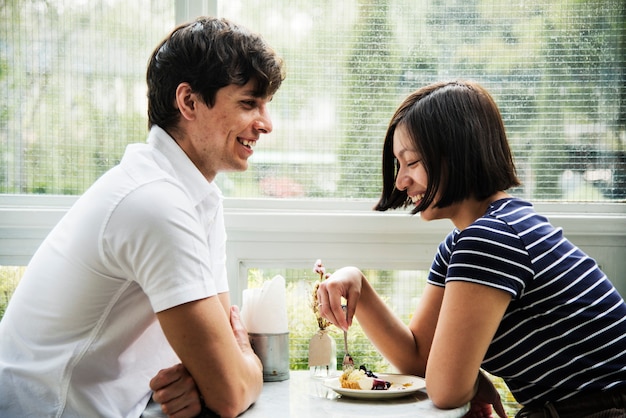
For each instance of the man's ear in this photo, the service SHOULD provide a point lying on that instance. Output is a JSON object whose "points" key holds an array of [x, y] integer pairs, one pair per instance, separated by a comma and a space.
{"points": [[186, 101]]}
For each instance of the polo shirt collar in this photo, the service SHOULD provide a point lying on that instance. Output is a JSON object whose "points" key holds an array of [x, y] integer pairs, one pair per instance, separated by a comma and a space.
{"points": [[182, 167]]}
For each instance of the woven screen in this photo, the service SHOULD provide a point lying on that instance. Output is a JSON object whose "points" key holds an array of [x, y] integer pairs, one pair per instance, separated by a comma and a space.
{"points": [[72, 83]]}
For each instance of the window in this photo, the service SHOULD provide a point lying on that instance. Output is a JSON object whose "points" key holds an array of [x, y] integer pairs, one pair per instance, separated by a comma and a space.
{"points": [[401, 289], [555, 69], [72, 82]]}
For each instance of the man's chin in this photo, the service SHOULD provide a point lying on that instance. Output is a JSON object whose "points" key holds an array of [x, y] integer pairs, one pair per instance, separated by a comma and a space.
{"points": [[236, 168]]}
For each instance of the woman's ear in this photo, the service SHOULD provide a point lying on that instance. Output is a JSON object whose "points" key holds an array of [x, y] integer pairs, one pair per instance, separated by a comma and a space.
{"points": [[186, 101]]}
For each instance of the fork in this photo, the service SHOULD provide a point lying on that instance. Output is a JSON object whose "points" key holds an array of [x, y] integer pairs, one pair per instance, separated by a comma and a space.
{"points": [[348, 362]]}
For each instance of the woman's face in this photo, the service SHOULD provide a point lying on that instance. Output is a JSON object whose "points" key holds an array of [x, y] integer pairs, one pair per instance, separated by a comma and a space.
{"points": [[412, 175]]}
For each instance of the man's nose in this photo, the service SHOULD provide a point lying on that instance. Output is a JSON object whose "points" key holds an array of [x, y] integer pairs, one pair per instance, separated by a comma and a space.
{"points": [[263, 123]]}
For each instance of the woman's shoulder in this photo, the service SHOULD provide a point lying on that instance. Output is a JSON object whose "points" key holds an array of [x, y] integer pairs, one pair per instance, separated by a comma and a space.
{"points": [[510, 206], [504, 223], [517, 214]]}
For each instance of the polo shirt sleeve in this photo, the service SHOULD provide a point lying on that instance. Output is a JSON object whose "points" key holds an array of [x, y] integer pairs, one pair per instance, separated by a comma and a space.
{"points": [[155, 238], [217, 248]]}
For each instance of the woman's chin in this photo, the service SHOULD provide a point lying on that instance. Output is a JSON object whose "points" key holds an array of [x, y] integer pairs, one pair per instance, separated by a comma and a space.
{"points": [[425, 215], [430, 214]]}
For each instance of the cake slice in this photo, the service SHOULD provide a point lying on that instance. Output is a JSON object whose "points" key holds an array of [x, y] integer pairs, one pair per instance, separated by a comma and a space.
{"points": [[362, 379]]}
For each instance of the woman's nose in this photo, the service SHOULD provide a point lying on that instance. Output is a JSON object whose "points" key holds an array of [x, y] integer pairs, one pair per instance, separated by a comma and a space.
{"points": [[402, 180]]}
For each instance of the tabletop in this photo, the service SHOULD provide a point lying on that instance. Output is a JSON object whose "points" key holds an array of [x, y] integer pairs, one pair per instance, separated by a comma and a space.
{"points": [[302, 396]]}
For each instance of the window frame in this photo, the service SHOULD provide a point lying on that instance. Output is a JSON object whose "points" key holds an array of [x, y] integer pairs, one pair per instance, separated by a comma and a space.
{"points": [[293, 233], [289, 233]]}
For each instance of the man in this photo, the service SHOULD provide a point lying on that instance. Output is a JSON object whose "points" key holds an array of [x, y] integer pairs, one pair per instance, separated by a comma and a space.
{"points": [[133, 280]]}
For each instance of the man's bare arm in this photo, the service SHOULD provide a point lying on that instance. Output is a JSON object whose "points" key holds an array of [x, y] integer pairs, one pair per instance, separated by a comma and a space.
{"points": [[216, 351]]}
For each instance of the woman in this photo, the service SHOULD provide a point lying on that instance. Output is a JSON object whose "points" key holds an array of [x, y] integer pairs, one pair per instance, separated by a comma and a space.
{"points": [[506, 291]]}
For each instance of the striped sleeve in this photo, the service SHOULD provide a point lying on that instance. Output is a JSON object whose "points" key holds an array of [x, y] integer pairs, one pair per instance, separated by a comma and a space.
{"points": [[439, 267], [488, 252]]}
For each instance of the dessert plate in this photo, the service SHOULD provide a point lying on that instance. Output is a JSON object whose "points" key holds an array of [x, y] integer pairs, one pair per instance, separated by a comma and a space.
{"points": [[401, 385]]}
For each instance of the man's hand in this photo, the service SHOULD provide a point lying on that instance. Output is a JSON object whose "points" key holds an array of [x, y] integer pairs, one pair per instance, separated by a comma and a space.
{"points": [[240, 332], [176, 391]]}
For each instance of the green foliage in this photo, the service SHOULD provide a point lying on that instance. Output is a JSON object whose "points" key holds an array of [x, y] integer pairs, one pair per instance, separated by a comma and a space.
{"points": [[303, 323], [9, 278], [368, 104], [76, 77], [73, 77]]}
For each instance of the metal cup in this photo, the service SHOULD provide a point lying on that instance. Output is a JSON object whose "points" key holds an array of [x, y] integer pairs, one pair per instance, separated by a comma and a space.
{"points": [[273, 350]]}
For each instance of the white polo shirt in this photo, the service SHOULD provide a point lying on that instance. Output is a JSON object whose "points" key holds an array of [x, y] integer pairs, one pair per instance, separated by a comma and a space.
{"points": [[80, 336]]}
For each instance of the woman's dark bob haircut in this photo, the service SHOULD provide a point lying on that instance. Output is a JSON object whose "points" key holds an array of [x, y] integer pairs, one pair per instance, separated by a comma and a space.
{"points": [[458, 131], [208, 53]]}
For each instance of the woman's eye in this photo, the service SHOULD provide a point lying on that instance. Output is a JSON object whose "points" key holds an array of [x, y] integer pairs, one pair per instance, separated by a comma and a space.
{"points": [[413, 163]]}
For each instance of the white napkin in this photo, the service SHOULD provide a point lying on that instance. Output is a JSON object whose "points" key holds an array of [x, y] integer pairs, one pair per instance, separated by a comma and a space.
{"points": [[264, 310]]}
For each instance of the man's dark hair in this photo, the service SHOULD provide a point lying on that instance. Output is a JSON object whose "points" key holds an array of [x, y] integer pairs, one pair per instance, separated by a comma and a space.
{"points": [[208, 53]]}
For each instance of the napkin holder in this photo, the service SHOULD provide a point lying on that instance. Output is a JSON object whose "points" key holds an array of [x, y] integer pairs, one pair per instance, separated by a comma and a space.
{"points": [[264, 313], [273, 350]]}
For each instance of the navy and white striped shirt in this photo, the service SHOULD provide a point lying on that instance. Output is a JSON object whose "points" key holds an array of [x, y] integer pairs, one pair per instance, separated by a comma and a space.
{"points": [[565, 328]]}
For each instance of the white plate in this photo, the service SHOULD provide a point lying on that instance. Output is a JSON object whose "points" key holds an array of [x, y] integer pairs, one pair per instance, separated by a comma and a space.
{"points": [[401, 385]]}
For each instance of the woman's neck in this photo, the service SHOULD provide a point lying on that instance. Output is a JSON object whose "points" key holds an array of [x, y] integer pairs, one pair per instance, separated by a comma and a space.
{"points": [[470, 209]]}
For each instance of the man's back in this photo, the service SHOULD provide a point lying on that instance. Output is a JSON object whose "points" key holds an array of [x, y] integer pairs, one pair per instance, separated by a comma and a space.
{"points": [[80, 334]]}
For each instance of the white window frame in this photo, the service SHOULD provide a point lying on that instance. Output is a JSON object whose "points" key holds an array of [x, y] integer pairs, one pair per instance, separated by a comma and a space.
{"points": [[275, 233], [272, 233]]}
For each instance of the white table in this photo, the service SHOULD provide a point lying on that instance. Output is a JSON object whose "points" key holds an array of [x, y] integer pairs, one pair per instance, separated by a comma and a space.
{"points": [[304, 397]]}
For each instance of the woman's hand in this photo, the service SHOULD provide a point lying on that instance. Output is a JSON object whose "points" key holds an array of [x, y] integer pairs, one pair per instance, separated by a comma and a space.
{"points": [[486, 396], [176, 391], [344, 283]]}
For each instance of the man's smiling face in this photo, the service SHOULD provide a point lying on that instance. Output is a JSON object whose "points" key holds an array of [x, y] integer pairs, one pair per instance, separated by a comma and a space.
{"points": [[222, 137]]}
